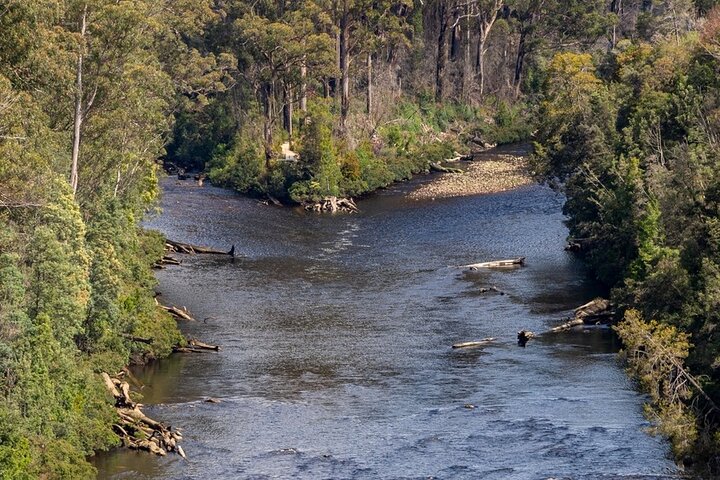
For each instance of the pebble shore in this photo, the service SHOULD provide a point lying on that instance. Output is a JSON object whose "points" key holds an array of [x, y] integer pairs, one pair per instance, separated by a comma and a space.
{"points": [[504, 172]]}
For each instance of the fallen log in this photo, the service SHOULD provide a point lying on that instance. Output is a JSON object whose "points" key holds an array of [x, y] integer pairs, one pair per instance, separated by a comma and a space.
{"points": [[568, 325], [193, 342], [436, 167], [165, 260], [177, 313], [110, 385], [274, 200], [509, 263], [479, 343], [459, 157], [188, 248], [594, 310], [190, 349]]}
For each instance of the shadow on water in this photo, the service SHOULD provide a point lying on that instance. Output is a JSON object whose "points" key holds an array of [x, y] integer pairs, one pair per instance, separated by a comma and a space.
{"points": [[336, 335]]}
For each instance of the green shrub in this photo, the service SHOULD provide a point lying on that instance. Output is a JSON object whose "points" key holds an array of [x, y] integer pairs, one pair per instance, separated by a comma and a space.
{"points": [[240, 166]]}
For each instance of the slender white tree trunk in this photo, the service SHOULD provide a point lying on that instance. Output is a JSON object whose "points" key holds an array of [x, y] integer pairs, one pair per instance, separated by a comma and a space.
{"points": [[78, 108], [369, 84]]}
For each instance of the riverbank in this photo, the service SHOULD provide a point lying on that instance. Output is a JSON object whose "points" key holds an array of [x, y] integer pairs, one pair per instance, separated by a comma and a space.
{"points": [[502, 173]]}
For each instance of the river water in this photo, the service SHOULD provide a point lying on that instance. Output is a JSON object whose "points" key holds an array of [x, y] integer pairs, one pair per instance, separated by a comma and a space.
{"points": [[336, 335]]}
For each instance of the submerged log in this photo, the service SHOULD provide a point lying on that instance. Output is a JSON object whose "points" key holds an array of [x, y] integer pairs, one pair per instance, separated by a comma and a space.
{"points": [[491, 289], [436, 167], [188, 248], [509, 263], [479, 343]]}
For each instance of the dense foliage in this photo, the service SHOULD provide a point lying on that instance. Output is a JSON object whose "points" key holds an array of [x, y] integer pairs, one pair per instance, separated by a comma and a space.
{"points": [[75, 279], [631, 136], [383, 88]]}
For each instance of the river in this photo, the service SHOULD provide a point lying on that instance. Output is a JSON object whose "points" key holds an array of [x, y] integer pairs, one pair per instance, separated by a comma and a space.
{"points": [[336, 335]]}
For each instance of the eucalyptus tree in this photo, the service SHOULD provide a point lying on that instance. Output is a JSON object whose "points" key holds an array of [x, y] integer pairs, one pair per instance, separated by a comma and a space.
{"points": [[282, 53]]}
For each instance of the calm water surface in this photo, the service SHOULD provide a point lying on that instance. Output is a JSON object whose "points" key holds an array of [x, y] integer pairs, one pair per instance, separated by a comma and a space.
{"points": [[336, 335]]}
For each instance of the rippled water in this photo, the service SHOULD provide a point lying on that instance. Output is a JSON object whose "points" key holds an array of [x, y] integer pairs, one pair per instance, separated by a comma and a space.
{"points": [[336, 335]]}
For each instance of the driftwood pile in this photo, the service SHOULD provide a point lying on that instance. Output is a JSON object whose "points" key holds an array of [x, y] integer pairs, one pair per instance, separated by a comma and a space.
{"points": [[172, 246], [333, 205], [136, 430], [595, 312]]}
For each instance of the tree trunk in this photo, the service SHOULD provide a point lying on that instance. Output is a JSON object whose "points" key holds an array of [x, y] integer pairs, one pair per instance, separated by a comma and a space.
{"points": [[487, 21], [616, 8], [368, 107], [467, 68], [303, 88], [78, 120], [267, 101], [481, 60], [519, 62], [344, 66], [288, 111], [455, 42], [442, 53]]}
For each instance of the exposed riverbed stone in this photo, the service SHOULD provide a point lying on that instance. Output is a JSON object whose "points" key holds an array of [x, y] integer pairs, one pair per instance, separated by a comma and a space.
{"points": [[484, 176]]}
